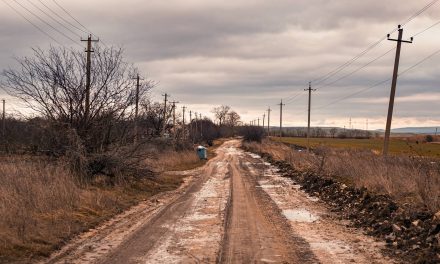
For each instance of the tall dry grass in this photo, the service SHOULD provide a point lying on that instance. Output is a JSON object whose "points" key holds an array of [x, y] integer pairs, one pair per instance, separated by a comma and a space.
{"points": [[171, 160], [412, 181], [43, 204]]}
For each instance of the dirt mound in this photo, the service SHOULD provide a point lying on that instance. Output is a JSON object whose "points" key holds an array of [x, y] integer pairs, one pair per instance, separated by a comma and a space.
{"points": [[411, 235]]}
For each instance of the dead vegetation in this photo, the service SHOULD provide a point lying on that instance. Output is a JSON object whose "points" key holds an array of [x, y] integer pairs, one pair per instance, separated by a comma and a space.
{"points": [[43, 203], [411, 181]]}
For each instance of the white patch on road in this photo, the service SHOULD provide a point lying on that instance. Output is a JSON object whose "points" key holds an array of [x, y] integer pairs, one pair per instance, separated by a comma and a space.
{"points": [[300, 215], [199, 232], [329, 239]]}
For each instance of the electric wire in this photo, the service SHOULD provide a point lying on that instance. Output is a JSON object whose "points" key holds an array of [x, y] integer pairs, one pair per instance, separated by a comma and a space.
{"points": [[357, 69], [382, 82], [45, 22], [51, 17], [33, 24], [77, 21], [62, 18], [372, 46]]}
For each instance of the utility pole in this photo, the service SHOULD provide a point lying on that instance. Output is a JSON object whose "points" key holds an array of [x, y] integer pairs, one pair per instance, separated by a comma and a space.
{"points": [[201, 126], [195, 132], [165, 113], [136, 111], [268, 121], [264, 117], [281, 117], [393, 88], [89, 50], [4, 120], [308, 117], [183, 121], [174, 116]]}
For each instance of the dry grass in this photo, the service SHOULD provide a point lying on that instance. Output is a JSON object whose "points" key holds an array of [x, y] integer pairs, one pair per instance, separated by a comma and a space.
{"points": [[404, 146], [411, 181], [42, 205], [171, 160]]}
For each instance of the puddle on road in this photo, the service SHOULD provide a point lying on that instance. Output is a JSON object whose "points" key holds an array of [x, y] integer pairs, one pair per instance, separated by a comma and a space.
{"points": [[267, 186], [253, 155], [312, 198], [300, 215]]}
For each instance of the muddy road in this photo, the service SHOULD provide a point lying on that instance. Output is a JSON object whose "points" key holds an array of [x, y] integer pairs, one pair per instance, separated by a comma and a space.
{"points": [[235, 209]]}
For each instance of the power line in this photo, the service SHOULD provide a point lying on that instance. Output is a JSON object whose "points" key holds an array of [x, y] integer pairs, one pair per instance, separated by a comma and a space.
{"points": [[420, 12], [71, 16], [76, 20], [383, 81], [45, 22], [358, 69], [355, 93], [300, 95], [372, 46], [51, 17], [426, 29], [33, 24], [62, 18]]}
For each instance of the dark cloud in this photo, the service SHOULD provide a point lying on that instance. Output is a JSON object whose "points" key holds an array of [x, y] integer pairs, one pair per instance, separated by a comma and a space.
{"points": [[251, 53]]}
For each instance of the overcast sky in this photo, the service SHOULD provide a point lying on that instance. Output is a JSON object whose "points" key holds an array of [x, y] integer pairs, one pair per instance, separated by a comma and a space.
{"points": [[250, 54]]}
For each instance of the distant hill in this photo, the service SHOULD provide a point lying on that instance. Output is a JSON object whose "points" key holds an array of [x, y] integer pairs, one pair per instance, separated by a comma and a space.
{"points": [[402, 130], [415, 130]]}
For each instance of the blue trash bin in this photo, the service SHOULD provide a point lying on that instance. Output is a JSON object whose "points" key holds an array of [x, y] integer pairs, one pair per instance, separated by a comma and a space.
{"points": [[202, 152]]}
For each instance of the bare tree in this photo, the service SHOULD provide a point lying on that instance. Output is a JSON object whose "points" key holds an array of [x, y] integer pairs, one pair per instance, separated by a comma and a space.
{"points": [[221, 113], [333, 131], [232, 119], [52, 83]]}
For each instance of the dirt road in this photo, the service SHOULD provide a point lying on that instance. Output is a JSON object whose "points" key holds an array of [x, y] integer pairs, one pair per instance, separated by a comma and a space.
{"points": [[235, 209]]}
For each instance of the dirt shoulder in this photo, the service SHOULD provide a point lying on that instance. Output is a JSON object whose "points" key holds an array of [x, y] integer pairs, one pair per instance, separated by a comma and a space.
{"points": [[412, 236]]}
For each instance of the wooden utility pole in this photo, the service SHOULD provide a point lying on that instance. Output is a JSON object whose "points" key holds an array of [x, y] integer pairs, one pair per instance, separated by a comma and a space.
{"points": [[136, 110], [393, 88], [190, 126], [183, 121], [264, 117], [174, 116], [201, 126], [165, 113], [308, 117], [4, 120], [281, 117], [89, 50], [268, 121], [195, 132]]}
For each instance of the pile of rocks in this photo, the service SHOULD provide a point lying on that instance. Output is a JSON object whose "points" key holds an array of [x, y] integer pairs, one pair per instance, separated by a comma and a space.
{"points": [[411, 235]]}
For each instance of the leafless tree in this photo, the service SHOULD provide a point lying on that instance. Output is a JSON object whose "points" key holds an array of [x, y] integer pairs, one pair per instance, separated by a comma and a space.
{"points": [[232, 119], [52, 83], [221, 113]]}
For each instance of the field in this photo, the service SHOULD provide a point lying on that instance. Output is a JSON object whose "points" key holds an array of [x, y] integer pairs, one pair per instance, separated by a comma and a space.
{"points": [[399, 146]]}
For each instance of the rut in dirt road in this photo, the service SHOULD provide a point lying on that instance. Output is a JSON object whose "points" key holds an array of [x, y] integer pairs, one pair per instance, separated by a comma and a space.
{"points": [[255, 231], [234, 209]]}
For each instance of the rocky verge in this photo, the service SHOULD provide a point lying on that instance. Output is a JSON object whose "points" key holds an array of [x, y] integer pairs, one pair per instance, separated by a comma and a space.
{"points": [[413, 236]]}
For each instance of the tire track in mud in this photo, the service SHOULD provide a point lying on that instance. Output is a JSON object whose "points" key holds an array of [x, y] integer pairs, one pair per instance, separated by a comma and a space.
{"points": [[255, 230], [235, 209]]}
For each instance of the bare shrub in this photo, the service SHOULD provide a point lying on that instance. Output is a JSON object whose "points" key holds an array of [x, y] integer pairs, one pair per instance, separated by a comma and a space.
{"points": [[252, 133]]}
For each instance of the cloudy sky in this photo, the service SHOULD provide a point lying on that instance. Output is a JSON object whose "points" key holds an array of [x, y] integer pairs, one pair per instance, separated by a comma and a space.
{"points": [[250, 54]]}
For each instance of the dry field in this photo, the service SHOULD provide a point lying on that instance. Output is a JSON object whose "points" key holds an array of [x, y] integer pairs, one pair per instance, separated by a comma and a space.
{"points": [[405, 146], [411, 181], [42, 204]]}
